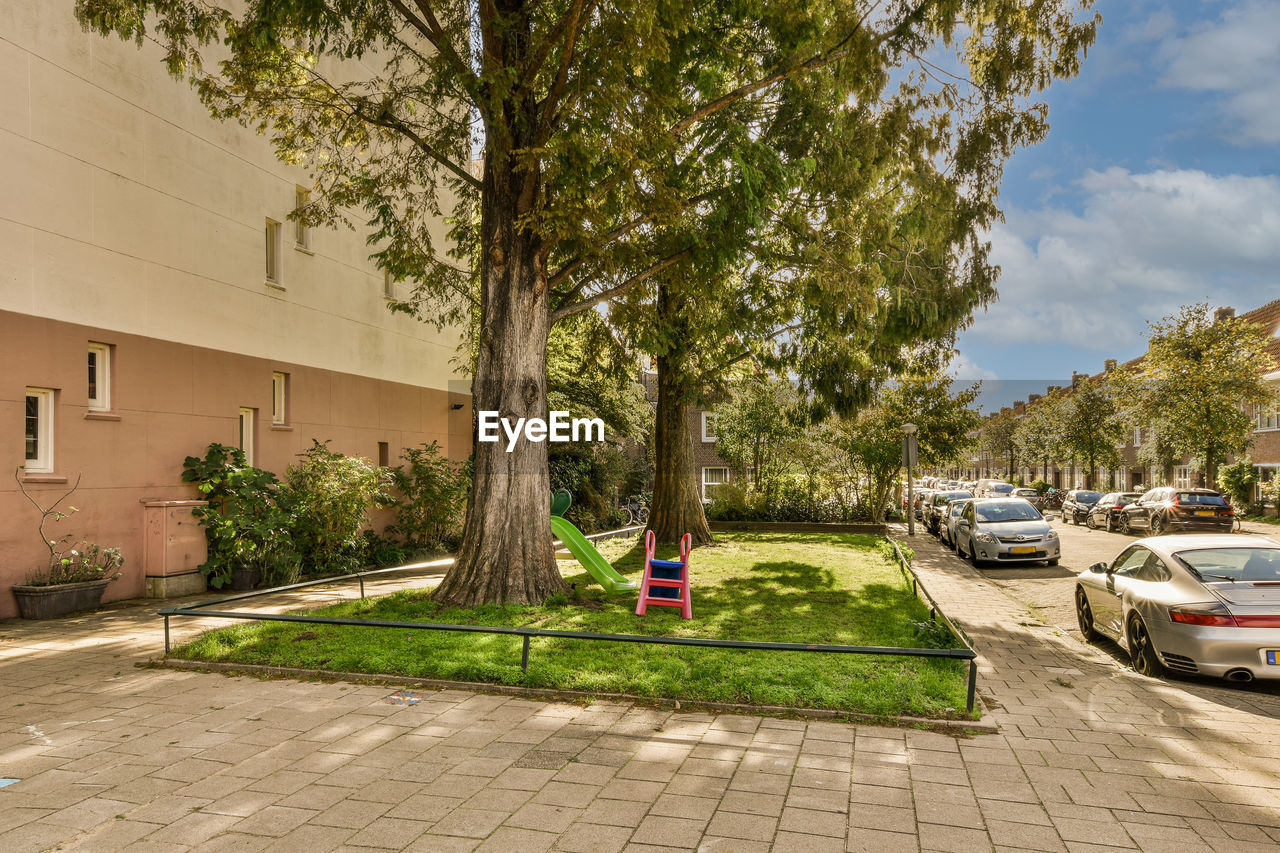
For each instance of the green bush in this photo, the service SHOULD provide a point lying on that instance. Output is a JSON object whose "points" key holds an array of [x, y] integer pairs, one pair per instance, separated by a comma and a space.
{"points": [[1238, 480], [1041, 486], [432, 498], [247, 522], [330, 496]]}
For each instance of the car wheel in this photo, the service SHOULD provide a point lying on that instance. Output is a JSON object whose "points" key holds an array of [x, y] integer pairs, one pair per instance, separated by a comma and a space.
{"points": [[1158, 527], [1052, 562], [1084, 616], [1125, 527], [1142, 652], [973, 555], [1089, 522]]}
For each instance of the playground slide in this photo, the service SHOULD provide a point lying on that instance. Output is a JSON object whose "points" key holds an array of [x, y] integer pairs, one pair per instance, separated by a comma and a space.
{"points": [[586, 554]]}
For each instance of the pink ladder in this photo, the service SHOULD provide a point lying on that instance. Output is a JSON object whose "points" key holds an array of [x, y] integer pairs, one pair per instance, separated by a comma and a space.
{"points": [[666, 582]]}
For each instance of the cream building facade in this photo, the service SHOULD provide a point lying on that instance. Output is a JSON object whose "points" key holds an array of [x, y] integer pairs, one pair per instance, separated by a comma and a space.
{"points": [[155, 297]]}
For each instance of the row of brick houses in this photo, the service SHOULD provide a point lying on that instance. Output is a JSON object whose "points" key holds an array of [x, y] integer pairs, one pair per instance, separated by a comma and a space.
{"points": [[1133, 473]]}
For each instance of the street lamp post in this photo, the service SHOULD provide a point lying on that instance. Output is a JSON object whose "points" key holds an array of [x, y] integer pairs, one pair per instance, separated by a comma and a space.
{"points": [[909, 457]]}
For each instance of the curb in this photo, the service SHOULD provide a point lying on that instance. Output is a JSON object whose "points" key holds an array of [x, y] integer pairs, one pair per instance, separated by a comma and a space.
{"points": [[958, 727]]}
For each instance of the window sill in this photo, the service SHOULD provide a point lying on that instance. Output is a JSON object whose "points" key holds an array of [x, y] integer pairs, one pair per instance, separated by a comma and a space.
{"points": [[275, 285], [35, 477], [94, 415], [282, 427], [306, 250]]}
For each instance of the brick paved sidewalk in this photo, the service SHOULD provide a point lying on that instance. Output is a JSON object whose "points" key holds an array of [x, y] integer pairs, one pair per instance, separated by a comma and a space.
{"points": [[1090, 757]]}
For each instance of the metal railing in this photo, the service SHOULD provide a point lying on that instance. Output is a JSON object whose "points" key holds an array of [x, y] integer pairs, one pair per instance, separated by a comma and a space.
{"points": [[202, 609], [918, 589]]}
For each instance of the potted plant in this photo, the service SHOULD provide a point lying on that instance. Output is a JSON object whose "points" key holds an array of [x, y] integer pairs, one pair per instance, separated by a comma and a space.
{"points": [[77, 574]]}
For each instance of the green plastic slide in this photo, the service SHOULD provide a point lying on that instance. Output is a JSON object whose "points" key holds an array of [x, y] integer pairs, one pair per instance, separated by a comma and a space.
{"points": [[586, 554]]}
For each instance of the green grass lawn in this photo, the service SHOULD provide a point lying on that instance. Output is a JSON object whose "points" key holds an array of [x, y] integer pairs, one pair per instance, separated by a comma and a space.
{"points": [[800, 588]]}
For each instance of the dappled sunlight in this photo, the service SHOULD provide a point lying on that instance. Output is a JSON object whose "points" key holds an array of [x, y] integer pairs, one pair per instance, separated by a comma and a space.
{"points": [[808, 589]]}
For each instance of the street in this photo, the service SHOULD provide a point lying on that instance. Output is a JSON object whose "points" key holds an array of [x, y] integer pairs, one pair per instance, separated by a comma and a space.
{"points": [[1048, 590]]}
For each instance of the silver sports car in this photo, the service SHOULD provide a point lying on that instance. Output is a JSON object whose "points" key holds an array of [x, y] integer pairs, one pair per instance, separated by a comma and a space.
{"points": [[1197, 604]]}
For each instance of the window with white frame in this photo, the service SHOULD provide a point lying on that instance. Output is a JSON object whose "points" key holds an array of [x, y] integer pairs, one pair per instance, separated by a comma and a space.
{"points": [[1137, 436], [708, 426], [1119, 478], [38, 423], [301, 232], [275, 274], [246, 433], [713, 477], [279, 398], [1267, 415], [1182, 477], [99, 377]]}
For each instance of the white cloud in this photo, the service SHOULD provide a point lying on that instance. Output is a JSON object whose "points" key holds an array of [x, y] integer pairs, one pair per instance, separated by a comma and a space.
{"points": [[1239, 56], [1141, 246], [962, 369]]}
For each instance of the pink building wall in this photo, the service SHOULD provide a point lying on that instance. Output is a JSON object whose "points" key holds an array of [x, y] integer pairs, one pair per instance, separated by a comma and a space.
{"points": [[169, 401]]}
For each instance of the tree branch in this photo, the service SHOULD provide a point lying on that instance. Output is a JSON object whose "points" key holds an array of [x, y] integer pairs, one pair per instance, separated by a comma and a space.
{"points": [[607, 294], [431, 30], [569, 267], [748, 89]]}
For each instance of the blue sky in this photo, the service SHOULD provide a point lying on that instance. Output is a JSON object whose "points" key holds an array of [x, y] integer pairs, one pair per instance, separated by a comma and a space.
{"points": [[1158, 185]]}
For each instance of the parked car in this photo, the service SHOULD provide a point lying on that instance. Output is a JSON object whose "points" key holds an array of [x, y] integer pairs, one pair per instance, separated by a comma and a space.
{"points": [[993, 489], [922, 496], [1028, 494], [1006, 530], [1107, 511], [1166, 510], [1205, 604], [936, 507], [946, 530], [1077, 503]]}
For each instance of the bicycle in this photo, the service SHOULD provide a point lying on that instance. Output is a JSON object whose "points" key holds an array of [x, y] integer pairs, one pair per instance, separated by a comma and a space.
{"points": [[636, 512]]}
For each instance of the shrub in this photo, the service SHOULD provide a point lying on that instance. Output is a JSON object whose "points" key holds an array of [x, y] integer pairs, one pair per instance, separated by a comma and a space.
{"points": [[329, 496], [1238, 480], [432, 498], [1041, 486], [245, 523]]}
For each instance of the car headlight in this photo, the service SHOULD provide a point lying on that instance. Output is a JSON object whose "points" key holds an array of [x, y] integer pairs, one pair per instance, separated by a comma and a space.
{"points": [[1052, 534], [985, 537]]}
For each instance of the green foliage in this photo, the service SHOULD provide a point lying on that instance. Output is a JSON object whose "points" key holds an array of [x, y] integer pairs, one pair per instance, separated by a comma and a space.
{"points": [[431, 500], [383, 551], [797, 168], [1190, 386], [248, 522], [872, 441], [329, 495], [1041, 486], [1000, 437], [759, 429], [1238, 480]]}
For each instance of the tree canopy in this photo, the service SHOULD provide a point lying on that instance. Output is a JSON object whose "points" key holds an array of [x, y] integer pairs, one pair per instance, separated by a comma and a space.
{"points": [[1195, 382], [848, 154]]}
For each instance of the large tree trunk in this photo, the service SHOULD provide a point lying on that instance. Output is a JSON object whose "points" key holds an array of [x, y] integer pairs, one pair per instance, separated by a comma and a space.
{"points": [[677, 501], [506, 553]]}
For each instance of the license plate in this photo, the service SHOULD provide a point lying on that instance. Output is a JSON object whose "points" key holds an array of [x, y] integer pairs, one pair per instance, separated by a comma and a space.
{"points": [[1205, 512], [1023, 549], [1271, 657]]}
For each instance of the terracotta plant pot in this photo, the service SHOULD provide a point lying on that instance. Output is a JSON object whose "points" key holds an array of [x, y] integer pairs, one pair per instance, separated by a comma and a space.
{"points": [[50, 602]]}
